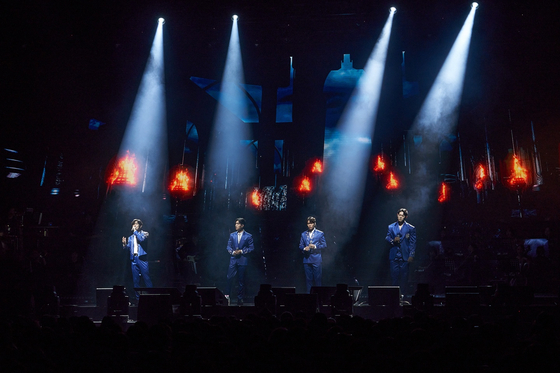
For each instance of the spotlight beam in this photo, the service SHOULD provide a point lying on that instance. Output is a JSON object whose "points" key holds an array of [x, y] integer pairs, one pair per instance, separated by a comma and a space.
{"points": [[439, 111], [438, 116], [225, 157], [146, 137], [345, 178], [145, 130]]}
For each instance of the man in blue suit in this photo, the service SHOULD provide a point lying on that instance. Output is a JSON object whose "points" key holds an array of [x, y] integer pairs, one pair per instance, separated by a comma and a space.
{"points": [[240, 244], [311, 243], [138, 255], [402, 237]]}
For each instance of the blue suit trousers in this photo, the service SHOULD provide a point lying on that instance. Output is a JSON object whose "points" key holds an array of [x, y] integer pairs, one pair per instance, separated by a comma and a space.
{"points": [[140, 268], [399, 274], [239, 270], [313, 275]]}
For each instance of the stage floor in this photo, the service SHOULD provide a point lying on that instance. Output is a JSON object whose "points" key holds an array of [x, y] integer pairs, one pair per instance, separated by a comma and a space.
{"points": [[441, 308]]}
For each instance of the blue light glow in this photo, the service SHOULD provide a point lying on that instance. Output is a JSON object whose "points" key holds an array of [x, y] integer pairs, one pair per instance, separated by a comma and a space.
{"points": [[347, 156], [438, 117], [146, 133], [227, 157]]}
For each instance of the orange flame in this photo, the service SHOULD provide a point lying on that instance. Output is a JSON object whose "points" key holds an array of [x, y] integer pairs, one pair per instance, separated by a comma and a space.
{"points": [[480, 177], [317, 167], [305, 185], [519, 175], [180, 182], [393, 182], [255, 198], [443, 193], [124, 172], [380, 165]]}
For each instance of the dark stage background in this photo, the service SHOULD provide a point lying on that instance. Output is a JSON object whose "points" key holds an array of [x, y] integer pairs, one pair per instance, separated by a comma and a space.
{"points": [[67, 63]]}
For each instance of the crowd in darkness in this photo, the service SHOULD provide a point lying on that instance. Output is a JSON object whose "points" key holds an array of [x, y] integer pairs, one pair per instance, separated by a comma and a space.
{"points": [[290, 342]]}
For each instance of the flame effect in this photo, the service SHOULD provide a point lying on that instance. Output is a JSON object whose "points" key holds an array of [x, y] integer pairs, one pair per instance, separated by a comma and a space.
{"points": [[519, 175], [255, 198], [317, 167], [480, 177], [305, 185], [180, 182], [124, 172], [393, 182], [380, 165], [443, 193]]}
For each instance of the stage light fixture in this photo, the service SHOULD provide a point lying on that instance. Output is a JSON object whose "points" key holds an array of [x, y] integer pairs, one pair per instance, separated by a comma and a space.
{"points": [[161, 20], [234, 17], [474, 5], [393, 10]]}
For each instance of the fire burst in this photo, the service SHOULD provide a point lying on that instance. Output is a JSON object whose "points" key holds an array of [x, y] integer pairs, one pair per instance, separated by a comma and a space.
{"points": [[480, 177], [180, 182], [255, 198], [443, 193], [519, 176], [317, 167], [393, 182], [305, 185], [380, 165], [124, 172]]}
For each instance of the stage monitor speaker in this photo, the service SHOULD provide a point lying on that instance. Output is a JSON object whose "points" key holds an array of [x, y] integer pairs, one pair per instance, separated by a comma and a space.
{"points": [[422, 298], [388, 296], [212, 296], [462, 297], [461, 289], [307, 303], [152, 308], [174, 293], [101, 295], [281, 293], [324, 294]]}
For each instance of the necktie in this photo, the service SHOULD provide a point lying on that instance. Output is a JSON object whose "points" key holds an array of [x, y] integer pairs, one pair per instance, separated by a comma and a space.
{"points": [[135, 246]]}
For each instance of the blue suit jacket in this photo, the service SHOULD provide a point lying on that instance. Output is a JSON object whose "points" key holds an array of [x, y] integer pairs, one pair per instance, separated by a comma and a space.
{"points": [[313, 255], [407, 244], [245, 244], [140, 237]]}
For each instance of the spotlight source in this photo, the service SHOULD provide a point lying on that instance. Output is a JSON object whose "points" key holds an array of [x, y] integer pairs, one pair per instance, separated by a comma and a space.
{"points": [[234, 17], [393, 9], [474, 5], [161, 20]]}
